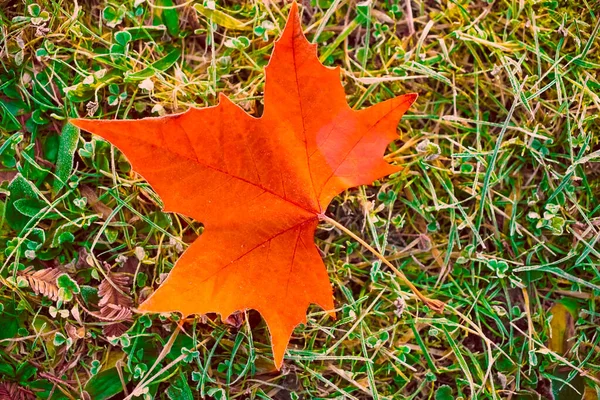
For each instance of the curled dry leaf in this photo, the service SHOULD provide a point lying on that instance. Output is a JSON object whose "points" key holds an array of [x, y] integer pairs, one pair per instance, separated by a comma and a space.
{"points": [[115, 304], [115, 329], [93, 201], [74, 332], [259, 185], [43, 281], [12, 391], [236, 319]]}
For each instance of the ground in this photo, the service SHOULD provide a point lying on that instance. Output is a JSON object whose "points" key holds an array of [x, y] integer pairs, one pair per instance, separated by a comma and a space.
{"points": [[496, 212]]}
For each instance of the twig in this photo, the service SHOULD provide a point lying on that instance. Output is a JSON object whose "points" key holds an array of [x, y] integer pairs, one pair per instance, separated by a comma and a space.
{"points": [[409, 18]]}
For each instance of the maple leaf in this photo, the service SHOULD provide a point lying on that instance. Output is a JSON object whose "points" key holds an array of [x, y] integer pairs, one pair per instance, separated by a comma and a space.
{"points": [[259, 185]]}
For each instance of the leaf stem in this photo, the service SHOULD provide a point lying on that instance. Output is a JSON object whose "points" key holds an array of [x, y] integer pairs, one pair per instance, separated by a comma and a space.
{"points": [[436, 305]]}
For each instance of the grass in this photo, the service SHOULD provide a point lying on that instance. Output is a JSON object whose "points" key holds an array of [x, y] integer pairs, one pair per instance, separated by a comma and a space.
{"points": [[497, 213]]}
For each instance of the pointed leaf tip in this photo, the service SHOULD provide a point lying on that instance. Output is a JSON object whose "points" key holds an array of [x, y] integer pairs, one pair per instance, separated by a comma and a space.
{"points": [[293, 10], [82, 123], [412, 97], [75, 121], [292, 24]]}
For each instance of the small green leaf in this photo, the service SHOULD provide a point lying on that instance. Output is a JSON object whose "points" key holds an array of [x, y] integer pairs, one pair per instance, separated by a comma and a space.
{"points": [[444, 392], [244, 41], [499, 266], [105, 384], [363, 9], [114, 89], [113, 100], [67, 287], [59, 339], [113, 16], [38, 117], [66, 237], [145, 321], [142, 279], [29, 207], [19, 282], [117, 50], [189, 354], [95, 367], [125, 340], [111, 235], [34, 9], [69, 138], [19, 188], [139, 370], [80, 202], [89, 294], [533, 359], [7, 370], [122, 38]]}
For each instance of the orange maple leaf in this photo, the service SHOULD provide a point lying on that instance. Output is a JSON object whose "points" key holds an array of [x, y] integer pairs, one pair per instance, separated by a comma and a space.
{"points": [[259, 185]]}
